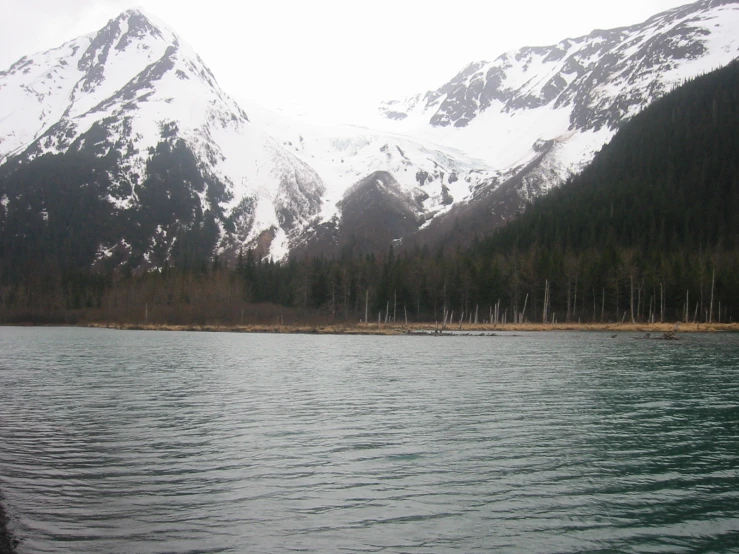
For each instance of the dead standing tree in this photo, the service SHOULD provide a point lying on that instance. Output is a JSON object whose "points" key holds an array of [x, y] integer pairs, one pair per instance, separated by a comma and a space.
{"points": [[572, 273]]}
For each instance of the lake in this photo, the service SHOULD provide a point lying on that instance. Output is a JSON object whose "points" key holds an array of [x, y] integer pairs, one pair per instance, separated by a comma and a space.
{"points": [[125, 441]]}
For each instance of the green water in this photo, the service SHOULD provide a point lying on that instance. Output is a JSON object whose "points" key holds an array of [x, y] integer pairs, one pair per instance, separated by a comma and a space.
{"points": [[545, 442]]}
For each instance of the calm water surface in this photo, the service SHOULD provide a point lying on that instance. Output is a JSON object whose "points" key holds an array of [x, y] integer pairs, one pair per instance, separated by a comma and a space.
{"points": [[117, 441]]}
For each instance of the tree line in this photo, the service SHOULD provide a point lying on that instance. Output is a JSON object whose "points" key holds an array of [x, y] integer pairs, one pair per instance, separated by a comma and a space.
{"points": [[533, 285]]}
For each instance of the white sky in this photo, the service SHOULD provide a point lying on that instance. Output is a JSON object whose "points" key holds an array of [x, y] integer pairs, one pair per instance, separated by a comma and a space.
{"points": [[329, 55]]}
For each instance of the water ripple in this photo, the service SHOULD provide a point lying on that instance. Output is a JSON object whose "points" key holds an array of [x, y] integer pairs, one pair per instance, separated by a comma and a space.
{"points": [[553, 442]]}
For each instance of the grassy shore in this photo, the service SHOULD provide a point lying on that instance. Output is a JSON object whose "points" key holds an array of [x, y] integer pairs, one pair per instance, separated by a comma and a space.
{"points": [[398, 329]]}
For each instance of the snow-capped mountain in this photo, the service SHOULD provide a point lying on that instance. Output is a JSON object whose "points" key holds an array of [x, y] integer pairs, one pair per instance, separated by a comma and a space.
{"points": [[132, 94], [568, 98], [120, 146]]}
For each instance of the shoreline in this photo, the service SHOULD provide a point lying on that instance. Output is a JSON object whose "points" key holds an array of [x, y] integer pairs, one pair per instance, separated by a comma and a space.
{"points": [[424, 329], [7, 545]]}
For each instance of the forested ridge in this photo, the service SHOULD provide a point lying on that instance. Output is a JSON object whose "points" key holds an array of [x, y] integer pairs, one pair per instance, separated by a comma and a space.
{"points": [[649, 231], [56, 210]]}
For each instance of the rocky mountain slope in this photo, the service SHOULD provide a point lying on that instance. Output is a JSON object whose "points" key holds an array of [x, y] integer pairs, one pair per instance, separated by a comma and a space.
{"points": [[598, 80], [427, 178]]}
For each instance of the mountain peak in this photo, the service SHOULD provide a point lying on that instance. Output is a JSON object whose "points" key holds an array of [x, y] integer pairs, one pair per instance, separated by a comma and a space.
{"points": [[129, 27], [141, 23], [139, 20], [133, 12]]}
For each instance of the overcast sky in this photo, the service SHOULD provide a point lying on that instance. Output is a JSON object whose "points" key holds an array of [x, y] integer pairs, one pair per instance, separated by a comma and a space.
{"points": [[329, 54]]}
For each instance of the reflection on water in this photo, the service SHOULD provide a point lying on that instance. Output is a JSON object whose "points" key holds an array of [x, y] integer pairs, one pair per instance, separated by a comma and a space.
{"points": [[547, 442]]}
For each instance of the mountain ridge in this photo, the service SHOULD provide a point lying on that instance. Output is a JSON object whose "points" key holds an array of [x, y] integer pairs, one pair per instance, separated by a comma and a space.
{"points": [[456, 99]]}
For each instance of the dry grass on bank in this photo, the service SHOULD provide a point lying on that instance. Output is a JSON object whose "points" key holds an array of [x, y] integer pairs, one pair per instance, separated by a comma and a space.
{"points": [[340, 329], [398, 329]]}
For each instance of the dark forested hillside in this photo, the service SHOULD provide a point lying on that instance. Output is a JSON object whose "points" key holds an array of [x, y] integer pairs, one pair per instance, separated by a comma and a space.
{"points": [[654, 216], [55, 210], [669, 179], [648, 232]]}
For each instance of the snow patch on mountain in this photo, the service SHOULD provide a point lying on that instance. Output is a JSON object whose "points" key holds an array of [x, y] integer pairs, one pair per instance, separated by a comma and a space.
{"points": [[345, 154]]}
